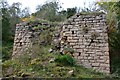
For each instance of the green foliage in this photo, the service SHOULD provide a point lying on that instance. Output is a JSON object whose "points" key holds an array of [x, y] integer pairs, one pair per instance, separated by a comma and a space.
{"points": [[94, 35], [71, 12], [39, 27], [35, 21], [6, 52], [114, 42], [6, 64], [6, 35], [115, 66], [112, 9], [69, 50], [85, 29], [38, 65], [48, 11], [109, 8], [118, 15], [10, 17], [65, 60], [113, 21], [5, 25], [46, 37]]}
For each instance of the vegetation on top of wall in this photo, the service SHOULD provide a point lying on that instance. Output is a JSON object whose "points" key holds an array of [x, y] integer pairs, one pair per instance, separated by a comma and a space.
{"points": [[85, 29], [91, 13]]}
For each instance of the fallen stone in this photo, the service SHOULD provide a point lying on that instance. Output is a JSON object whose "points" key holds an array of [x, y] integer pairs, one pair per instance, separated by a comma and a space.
{"points": [[51, 60], [71, 72], [50, 50]]}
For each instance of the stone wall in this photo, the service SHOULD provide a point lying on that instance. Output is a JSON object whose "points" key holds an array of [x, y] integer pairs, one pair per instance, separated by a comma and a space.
{"points": [[87, 35], [22, 39], [26, 35]]}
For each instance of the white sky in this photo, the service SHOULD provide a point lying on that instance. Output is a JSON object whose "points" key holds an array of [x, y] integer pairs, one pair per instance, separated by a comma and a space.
{"points": [[66, 3]]}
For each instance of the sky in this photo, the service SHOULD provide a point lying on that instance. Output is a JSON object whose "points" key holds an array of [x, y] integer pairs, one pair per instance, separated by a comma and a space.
{"points": [[32, 4]]}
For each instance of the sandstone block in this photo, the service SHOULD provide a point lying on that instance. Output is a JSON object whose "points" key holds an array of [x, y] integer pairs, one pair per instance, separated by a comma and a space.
{"points": [[95, 64]]}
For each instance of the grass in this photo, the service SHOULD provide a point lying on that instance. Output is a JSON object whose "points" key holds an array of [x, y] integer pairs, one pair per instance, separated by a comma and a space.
{"points": [[40, 66], [91, 13], [115, 67]]}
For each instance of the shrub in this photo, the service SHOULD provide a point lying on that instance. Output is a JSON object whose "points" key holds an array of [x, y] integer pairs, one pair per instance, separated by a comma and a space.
{"points": [[6, 51], [68, 51], [94, 35], [35, 27], [65, 60], [85, 29]]}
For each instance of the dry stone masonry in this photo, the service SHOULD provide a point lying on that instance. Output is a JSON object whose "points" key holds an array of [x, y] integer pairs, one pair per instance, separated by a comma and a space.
{"points": [[87, 35], [26, 35], [21, 40]]}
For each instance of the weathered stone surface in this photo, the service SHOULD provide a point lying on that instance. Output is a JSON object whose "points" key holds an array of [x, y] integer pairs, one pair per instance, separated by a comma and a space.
{"points": [[86, 34], [91, 42], [95, 64]]}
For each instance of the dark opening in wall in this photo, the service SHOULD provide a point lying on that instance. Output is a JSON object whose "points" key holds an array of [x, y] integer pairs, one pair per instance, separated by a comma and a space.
{"points": [[39, 23], [28, 23], [20, 43], [64, 38], [101, 16], [79, 54], [65, 27], [85, 25], [32, 35], [72, 32], [77, 15], [36, 24], [68, 42]]}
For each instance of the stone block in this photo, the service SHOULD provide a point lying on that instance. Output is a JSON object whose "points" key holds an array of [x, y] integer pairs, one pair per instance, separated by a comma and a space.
{"points": [[90, 52], [107, 61], [92, 61], [100, 61], [69, 37], [75, 54], [75, 38], [87, 64], [106, 53], [92, 55], [79, 50], [85, 58], [99, 53], [77, 20], [104, 65], [76, 46], [80, 57], [83, 54], [97, 57], [90, 58], [73, 41], [95, 64], [72, 44]]}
